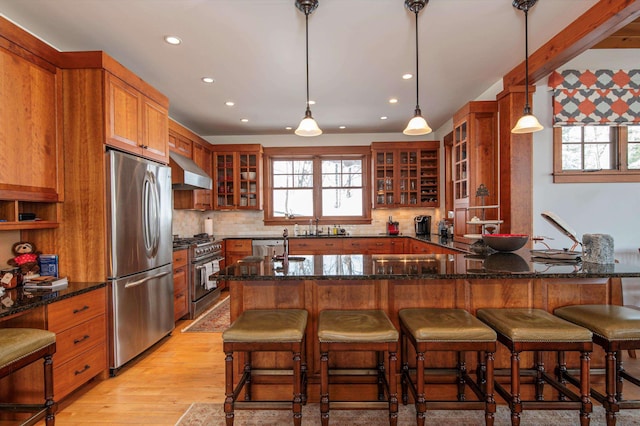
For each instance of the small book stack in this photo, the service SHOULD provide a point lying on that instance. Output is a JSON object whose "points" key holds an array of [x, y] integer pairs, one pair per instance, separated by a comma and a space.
{"points": [[46, 283]]}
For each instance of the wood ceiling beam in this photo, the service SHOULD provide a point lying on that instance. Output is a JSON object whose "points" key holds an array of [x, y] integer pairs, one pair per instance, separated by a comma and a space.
{"points": [[626, 38], [602, 20]]}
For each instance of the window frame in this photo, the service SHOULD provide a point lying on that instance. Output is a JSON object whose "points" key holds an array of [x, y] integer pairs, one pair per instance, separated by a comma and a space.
{"points": [[620, 174], [317, 154]]}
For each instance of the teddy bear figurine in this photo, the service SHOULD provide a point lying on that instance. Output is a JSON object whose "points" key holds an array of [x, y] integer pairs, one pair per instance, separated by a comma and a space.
{"points": [[26, 258]]}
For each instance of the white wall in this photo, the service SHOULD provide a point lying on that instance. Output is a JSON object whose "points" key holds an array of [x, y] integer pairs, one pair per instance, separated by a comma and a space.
{"points": [[607, 208]]}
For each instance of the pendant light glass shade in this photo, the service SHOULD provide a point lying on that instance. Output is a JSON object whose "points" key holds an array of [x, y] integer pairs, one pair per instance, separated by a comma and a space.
{"points": [[308, 126], [528, 123], [417, 125]]}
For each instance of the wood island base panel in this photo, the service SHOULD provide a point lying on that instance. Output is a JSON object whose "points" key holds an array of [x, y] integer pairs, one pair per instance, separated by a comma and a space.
{"points": [[395, 282]]}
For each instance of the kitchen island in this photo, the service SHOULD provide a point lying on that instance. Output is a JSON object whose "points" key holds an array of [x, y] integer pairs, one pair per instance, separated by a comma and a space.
{"points": [[394, 282]]}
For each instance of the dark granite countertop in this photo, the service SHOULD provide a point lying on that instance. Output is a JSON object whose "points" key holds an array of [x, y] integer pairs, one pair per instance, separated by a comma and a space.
{"points": [[432, 239], [21, 299], [426, 266]]}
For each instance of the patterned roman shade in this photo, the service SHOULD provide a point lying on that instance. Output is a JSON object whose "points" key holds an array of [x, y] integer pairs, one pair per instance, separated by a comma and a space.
{"points": [[607, 97]]}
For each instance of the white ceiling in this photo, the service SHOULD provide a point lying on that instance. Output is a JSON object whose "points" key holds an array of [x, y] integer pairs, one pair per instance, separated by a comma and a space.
{"points": [[255, 51]]}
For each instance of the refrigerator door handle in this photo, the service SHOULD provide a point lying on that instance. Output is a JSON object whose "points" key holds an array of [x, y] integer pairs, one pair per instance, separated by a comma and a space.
{"points": [[144, 280], [151, 214]]}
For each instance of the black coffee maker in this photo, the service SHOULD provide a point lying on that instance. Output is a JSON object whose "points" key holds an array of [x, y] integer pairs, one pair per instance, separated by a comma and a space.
{"points": [[423, 225]]}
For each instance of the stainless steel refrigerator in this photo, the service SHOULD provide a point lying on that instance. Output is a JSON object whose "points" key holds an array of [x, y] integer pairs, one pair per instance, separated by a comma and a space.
{"points": [[140, 279]]}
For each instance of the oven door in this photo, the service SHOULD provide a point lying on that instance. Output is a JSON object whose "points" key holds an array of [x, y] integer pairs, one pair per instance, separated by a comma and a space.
{"points": [[202, 270]]}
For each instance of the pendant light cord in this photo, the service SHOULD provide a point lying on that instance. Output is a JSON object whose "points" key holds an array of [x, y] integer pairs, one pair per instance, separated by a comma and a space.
{"points": [[306, 22], [527, 108], [417, 73]]}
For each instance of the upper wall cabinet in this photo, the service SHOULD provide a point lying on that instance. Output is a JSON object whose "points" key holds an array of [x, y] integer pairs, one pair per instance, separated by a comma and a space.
{"points": [[30, 136], [475, 163], [186, 143], [237, 179], [135, 123], [406, 174]]}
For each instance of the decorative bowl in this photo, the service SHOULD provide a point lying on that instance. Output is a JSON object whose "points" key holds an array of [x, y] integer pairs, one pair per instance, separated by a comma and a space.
{"points": [[505, 242], [248, 175]]}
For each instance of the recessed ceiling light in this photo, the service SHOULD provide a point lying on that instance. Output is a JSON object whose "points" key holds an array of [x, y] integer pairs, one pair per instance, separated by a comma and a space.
{"points": [[384, 117], [312, 102], [288, 128], [172, 40], [208, 79], [407, 76], [229, 103], [343, 127], [393, 101], [244, 120]]}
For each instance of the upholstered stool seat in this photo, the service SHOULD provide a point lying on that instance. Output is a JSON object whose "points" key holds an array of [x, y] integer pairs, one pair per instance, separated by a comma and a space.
{"points": [[615, 328], [434, 329], [21, 347], [266, 330], [525, 329], [359, 330]]}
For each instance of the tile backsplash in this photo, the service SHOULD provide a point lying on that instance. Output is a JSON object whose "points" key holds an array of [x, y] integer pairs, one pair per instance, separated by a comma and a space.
{"points": [[250, 223]]}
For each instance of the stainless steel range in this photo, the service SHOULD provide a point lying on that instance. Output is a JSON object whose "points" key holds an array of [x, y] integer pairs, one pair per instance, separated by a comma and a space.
{"points": [[204, 257]]}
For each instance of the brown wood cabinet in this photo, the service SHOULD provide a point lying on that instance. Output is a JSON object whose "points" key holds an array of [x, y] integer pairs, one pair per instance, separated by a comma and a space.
{"points": [[321, 245], [237, 181], [179, 144], [135, 123], [180, 284], [236, 249], [422, 247], [80, 326], [186, 143], [475, 153], [406, 174], [31, 134]]}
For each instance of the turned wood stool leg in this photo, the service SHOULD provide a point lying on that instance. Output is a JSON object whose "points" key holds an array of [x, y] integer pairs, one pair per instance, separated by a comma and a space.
{"points": [[380, 368], [516, 403], [585, 388], [461, 371], [404, 362], [297, 390], [393, 388], [48, 390], [619, 371], [611, 404], [228, 401], [481, 371], [539, 376], [561, 373], [324, 387], [247, 370], [421, 406], [490, 408]]}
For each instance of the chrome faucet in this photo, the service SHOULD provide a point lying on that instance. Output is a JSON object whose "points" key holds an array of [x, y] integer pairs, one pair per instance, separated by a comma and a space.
{"points": [[285, 254], [317, 220]]}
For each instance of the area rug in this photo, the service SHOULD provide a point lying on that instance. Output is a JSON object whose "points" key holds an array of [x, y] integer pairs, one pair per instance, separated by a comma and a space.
{"points": [[201, 414], [216, 319]]}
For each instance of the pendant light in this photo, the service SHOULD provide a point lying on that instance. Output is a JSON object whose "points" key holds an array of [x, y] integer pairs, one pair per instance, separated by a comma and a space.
{"points": [[308, 126], [528, 123], [417, 125]]}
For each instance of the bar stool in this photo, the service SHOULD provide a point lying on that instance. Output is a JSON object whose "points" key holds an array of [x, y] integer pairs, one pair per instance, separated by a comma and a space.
{"points": [[278, 330], [433, 329], [359, 330], [525, 329], [21, 347], [615, 328]]}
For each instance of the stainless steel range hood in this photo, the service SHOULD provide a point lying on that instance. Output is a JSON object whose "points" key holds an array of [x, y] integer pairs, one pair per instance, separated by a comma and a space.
{"points": [[186, 175]]}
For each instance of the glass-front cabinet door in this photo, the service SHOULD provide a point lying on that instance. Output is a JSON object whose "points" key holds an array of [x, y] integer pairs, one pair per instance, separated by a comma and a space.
{"points": [[237, 173], [406, 174]]}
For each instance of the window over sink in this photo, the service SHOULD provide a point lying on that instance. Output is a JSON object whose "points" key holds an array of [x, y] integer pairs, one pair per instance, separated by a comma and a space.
{"points": [[308, 183]]}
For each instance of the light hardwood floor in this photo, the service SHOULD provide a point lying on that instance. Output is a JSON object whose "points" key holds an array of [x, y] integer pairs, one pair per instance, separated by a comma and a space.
{"points": [[158, 387]]}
